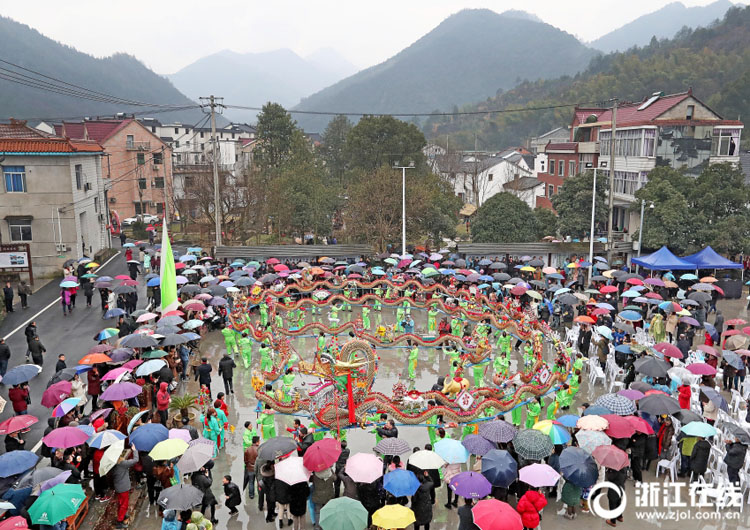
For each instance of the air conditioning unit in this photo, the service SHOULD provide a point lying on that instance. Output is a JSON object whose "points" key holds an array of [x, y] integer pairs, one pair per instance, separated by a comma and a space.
{"points": [[101, 217], [156, 167], [113, 200], [87, 186]]}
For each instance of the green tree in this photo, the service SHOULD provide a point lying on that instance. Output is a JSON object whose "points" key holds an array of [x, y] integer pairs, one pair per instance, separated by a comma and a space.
{"points": [[334, 146], [383, 140], [573, 204], [546, 222], [504, 218], [437, 217], [275, 131]]}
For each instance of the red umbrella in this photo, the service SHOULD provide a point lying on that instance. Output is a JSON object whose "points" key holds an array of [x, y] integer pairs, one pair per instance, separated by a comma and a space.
{"points": [[736, 322], [611, 457], [634, 281], [56, 393], [640, 425], [701, 369], [518, 290], [492, 514], [17, 423], [131, 283], [708, 349], [606, 289], [719, 290], [122, 277], [668, 350], [101, 348], [599, 311], [95, 358], [730, 332], [322, 454], [619, 427], [654, 391], [179, 265], [14, 523], [655, 296], [272, 261], [280, 267], [175, 313]]}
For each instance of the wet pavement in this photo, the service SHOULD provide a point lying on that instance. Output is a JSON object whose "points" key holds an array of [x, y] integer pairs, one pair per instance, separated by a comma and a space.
{"points": [[392, 365]]}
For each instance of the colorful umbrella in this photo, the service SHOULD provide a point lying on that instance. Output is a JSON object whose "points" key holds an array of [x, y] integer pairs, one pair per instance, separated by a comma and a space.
{"points": [[669, 350], [577, 467], [65, 437], [393, 516], [343, 513], [492, 514], [107, 333], [452, 451], [66, 406], [611, 457], [56, 504], [105, 438], [364, 467], [568, 420], [557, 432], [57, 392], [470, 485], [400, 483], [539, 475], [322, 454]]}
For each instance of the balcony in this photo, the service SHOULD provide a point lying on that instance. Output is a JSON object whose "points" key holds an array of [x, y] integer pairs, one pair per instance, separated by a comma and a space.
{"points": [[138, 146], [588, 148]]}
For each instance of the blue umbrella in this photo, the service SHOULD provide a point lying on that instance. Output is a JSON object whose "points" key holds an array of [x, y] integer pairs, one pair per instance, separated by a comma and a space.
{"points": [[135, 419], [68, 284], [604, 305], [401, 483], [604, 331], [452, 451], [16, 462], [147, 436], [578, 468], [568, 420], [630, 293], [597, 410], [623, 348], [105, 438], [585, 264], [460, 277], [378, 272], [688, 276], [694, 428], [715, 397], [88, 429], [191, 336], [21, 374], [477, 445], [732, 359], [114, 313], [555, 276], [630, 315], [153, 282], [499, 468]]}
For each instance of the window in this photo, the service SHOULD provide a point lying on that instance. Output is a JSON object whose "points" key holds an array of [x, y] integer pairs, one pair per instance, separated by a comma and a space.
{"points": [[141, 157], [158, 158], [138, 209], [187, 131], [197, 159], [489, 177], [142, 184], [690, 112], [15, 179], [20, 229], [130, 141], [177, 130], [232, 136], [571, 168], [177, 143], [179, 157], [551, 167], [550, 190], [187, 143], [723, 143], [201, 135], [649, 142], [153, 129], [96, 204], [627, 143], [79, 176], [159, 207], [627, 182], [561, 168], [203, 147], [159, 182]]}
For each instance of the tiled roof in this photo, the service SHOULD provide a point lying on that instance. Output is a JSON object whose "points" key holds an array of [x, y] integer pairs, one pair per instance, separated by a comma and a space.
{"points": [[582, 113], [71, 130], [47, 145], [563, 146], [19, 130], [629, 114], [100, 131], [523, 183]]}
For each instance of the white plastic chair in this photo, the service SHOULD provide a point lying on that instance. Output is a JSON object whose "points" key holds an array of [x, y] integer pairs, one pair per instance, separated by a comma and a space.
{"points": [[669, 466]]}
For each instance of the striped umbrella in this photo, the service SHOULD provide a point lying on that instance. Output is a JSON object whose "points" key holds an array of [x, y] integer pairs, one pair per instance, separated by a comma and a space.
{"points": [[619, 405], [533, 445], [392, 447], [497, 431]]}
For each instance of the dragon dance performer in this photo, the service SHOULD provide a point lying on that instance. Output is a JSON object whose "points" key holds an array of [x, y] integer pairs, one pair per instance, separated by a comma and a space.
{"points": [[278, 320], [287, 385], [346, 306], [366, 317], [400, 313], [413, 357], [533, 409], [432, 320], [263, 314], [246, 349], [478, 371], [230, 340], [333, 316], [456, 327], [266, 421], [517, 412], [528, 356], [560, 397], [266, 365]]}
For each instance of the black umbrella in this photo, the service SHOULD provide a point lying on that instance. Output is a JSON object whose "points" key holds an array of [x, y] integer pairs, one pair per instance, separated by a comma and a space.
{"points": [[21, 374], [641, 386], [658, 404], [617, 274], [70, 262], [180, 497], [536, 263], [652, 367], [124, 289], [276, 447], [189, 288], [598, 278], [269, 278], [578, 467], [686, 416], [501, 276], [103, 285], [627, 328], [120, 355], [739, 433], [66, 374], [244, 282], [499, 468], [173, 340], [568, 299], [38, 476], [460, 263], [139, 340], [217, 290], [699, 296], [498, 266]]}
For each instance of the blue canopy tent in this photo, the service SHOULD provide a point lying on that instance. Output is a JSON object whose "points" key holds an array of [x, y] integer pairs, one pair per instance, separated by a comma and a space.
{"points": [[709, 259], [663, 260]]}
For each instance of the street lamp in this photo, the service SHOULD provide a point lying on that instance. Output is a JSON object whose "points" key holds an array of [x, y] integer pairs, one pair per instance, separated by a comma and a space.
{"points": [[403, 202], [591, 234], [640, 230]]}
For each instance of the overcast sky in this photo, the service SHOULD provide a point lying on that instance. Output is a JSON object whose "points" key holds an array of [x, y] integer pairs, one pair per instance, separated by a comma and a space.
{"points": [[168, 35]]}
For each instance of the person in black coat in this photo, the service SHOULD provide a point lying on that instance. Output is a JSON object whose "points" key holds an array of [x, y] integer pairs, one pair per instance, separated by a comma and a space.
{"points": [[8, 295], [231, 494], [389, 430], [13, 442], [340, 465], [735, 459], [226, 371], [281, 491], [699, 457], [202, 481], [370, 497], [37, 349], [60, 364], [306, 440], [298, 495], [466, 517], [637, 452], [584, 340], [618, 478], [203, 374], [421, 504], [4, 357]]}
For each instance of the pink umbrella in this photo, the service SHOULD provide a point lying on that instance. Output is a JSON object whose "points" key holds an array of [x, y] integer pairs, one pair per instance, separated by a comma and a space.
{"points": [[731, 332], [655, 296], [132, 364], [640, 425], [17, 423], [56, 393], [631, 394], [280, 267], [619, 427], [599, 311], [669, 350], [180, 434], [743, 352], [112, 375], [708, 349], [145, 317], [131, 283], [121, 391], [322, 454], [65, 437], [611, 457], [608, 289], [654, 281], [518, 290], [100, 412], [364, 467], [292, 470], [701, 369], [539, 475]]}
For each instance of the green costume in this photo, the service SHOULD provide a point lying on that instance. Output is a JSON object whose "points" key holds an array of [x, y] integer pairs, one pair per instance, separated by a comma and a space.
{"points": [[317, 433], [300, 318], [247, 438], [432, 321], [502, 364], [658, 328], [503, 343], [375, 418], [413, 356], [288, 383], [533, 410], [321, 343], [221, 418], [278, 321], [515, 416], [456, 327], [265, 358], [230, 340], [400, 312], [263, 314], [575, 383], [211, 431], [379, 293], [432, 431], [347, 294], [578, 364], [366, 317], [556, 404], [478, 370], [333, 316], [246, 349], [528, 355], [268, 426]]}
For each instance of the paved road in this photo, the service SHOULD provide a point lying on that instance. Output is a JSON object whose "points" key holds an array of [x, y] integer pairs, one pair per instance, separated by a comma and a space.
{"points": [[71, 335]]}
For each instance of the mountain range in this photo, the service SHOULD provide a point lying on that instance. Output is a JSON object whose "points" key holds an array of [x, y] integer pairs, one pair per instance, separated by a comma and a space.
{"points": [[252, 79], [663, 23]]}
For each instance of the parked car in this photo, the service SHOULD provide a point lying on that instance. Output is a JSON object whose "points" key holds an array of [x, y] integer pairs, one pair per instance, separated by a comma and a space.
{"points": [[146, 218]]}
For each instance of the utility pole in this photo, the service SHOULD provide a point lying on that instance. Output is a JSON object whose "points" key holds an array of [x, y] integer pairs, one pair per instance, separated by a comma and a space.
{"points": [[611, 182], [591, 234], [165, 220], [403, 203], [212, 103]]}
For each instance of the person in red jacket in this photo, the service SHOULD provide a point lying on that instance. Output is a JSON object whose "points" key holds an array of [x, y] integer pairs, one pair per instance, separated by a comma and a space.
{"points": [[162, 402], [684, 396], [100, 483], [19, 396], [94, 387], [529, 507]]}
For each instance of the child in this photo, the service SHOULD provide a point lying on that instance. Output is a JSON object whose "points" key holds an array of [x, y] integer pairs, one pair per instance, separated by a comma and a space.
{"points": [[231, 494]]}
